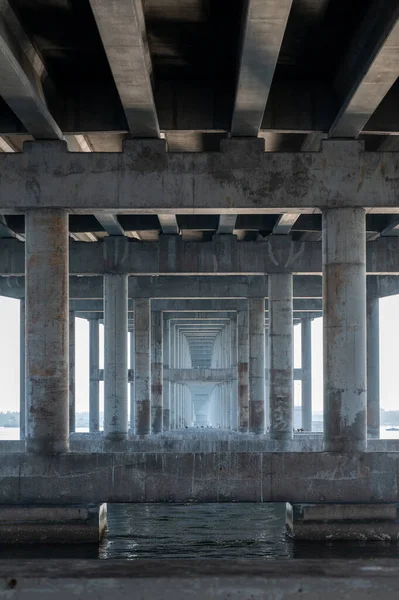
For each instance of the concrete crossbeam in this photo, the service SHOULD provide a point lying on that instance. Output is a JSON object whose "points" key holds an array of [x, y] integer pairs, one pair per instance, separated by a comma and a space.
{"points": [[199, 375], [145, 178], [190, 477], [172, 255]]}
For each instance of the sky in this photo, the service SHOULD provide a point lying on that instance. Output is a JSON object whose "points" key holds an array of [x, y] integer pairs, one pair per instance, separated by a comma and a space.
{"points": [[9, 357]]}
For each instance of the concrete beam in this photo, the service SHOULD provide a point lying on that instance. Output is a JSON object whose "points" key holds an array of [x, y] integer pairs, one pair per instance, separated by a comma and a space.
{"points": [[145, 178], [21, 75], [169, 224], [224, 255], [263, 32], [368, 70], [199, 375], [190, 477], [285, 223], [110, 223], [122, 29], [227, 224]]}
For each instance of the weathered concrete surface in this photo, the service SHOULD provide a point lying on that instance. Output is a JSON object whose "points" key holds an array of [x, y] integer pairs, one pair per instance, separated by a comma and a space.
{"points": [[378, 522], [306, 375], [80, 524], [344, 323], [281, 357], [145, 178], [142, 343], [156, 372], [94, 384], [204, 375], [174, 255], [115, 357], [196, 580], [72, 386], [22, 395], [313, 477], [47, 346], [243, 369], [256, 332], [373, 367]]}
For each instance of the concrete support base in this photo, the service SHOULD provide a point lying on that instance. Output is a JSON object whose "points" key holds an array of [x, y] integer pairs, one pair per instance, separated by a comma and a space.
{"points": [[343, 522], [75, 524]]}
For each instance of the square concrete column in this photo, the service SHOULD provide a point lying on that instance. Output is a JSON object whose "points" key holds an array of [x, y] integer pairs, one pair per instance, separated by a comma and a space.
{"points": [[94, 383], [344, 321], [22, 402], [72, 369], [267, 403], [166, 384], [242, 370], [156, 371], [142, 331], [132, 398], [373, 367], [281, 356], [306, 351], [115, 356], [256, 308], [47, 330]]}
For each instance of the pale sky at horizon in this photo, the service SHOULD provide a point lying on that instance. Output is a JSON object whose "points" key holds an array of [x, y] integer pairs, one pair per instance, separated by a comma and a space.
{"points": [[9, 357]]}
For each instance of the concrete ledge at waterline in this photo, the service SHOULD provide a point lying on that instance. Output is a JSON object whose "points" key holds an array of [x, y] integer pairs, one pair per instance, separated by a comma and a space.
{"points": [[372, 522], [197, 580], [75, 524]]}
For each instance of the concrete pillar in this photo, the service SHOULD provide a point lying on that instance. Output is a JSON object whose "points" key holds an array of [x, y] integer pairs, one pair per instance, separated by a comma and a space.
{"points": [[242, 368], [256, 308], [344, 321], [22, 403], [132, 398], [166, 384], [373, 367], [267, 401], [281, 356], [72, 386], [115, 356], [142, 331], [94, 384], [306, 350], [234, 383], [47, 330], [156, 371]]}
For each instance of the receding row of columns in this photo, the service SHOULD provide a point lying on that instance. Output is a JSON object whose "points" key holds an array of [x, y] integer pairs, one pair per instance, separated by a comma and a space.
{"points": [[47, 334]]}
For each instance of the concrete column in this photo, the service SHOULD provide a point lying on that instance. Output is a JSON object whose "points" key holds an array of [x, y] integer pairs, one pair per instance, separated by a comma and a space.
{"points": [[142, 330], [281, 356], [72, 386], [243, 377], [256, 308], [22, 403], [306, 350], [156, 371], [373, 367], [94, 385], [166, 384], [234, 383], [115, 356], [344, 320], [47, 330], [132, 399], [267, 401]]}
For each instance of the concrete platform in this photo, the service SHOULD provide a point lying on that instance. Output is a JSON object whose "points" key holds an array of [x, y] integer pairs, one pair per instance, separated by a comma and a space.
{"points": [[377, 522], [78, 524], [199, 580]]}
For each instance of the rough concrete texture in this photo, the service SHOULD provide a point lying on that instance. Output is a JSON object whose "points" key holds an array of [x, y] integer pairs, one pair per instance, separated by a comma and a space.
{"points": [[256, 328], [94, 384], [281, 357], [72, 524], [343, 522], [223, 476], [373, 367], [344, 323], [142, 343], [306, 352], [196, 580], [243, 369], [156, 372], [115, 357], [47, 346], [145, 178]]}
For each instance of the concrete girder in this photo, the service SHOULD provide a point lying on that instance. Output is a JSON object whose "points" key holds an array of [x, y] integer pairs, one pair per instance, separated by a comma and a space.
{"points": [[171, 255], [227, 224], [122, 29], [263, 32], [21, 76], [285, 223], [169, 224], [368, 70], [145, 178], [110, 223], [200, 375]]}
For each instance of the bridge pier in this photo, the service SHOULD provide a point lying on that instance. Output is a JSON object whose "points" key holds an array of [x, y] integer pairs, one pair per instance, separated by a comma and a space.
{"points": [[256, 308]]}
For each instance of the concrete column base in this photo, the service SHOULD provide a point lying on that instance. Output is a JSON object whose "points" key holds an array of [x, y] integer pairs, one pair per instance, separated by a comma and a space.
{"points": [[75, 524], [342, 522]]}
